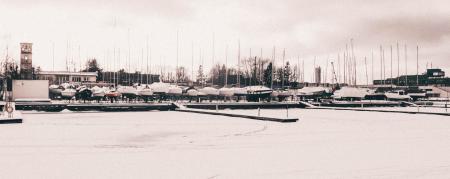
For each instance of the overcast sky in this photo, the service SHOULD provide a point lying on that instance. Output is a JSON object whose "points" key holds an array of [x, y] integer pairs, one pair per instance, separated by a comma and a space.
{"points": [[94, 28]]}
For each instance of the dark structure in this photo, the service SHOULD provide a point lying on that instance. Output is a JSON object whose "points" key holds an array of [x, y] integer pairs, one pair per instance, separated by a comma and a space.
{"points": [[26, 62], [435, 77]]}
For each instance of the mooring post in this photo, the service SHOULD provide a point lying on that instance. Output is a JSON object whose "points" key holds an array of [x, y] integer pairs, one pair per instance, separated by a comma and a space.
{"points": [[217, 108]]}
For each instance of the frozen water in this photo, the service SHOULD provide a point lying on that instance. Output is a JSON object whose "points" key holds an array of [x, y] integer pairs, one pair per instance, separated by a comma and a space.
{"points": [[322, 144]]}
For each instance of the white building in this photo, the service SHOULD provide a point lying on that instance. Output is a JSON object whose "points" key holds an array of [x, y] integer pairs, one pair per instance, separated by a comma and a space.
{"points": [[58, 77]]}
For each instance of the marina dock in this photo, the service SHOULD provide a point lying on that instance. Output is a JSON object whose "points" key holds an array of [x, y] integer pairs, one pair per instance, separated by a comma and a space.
{"points": [[246, 105], [164, 106], [57, 107], [381, 110], [183, 108]]}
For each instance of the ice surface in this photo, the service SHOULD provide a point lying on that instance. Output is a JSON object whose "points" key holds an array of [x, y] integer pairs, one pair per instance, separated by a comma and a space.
{"points": [[322, 144]]}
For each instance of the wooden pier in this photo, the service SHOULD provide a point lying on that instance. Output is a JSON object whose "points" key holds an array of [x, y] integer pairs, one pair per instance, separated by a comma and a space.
{"points": [[381, 110], [183, 108], [245, 105]]}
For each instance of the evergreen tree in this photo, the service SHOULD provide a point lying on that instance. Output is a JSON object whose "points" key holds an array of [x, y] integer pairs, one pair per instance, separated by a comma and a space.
{"points": [[93, 66], [268, 75], [287, 73], [200, 76]]}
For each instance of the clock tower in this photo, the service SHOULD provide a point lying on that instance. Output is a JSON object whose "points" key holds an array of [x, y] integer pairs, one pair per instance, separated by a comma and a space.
{"points": [[26, 65]]}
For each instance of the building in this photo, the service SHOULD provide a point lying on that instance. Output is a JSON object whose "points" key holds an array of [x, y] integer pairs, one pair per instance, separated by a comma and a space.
{"points": [[434, 77], [318, 75], [58, 77], [26, 61]]}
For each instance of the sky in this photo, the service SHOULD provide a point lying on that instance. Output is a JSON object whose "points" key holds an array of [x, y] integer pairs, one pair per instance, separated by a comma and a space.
{"points": [[209, 31]]}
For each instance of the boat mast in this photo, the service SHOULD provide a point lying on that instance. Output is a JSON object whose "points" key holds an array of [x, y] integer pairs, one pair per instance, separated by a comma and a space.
{"points": [[53, 55], [338, 68], [201, 61], [79, 56], [176, 68], [391, 68], [226, 65], [367, 75], [354, 63], [398, 65], [67, 55], [114, 61], [192, 62], [282, 69], [372, 68], [384, 68], [345, 63], [303, 71], [271, 71], [239, 64], [142, 64], [417, 67], [119, 78], [406, 66], [212, 64], [129, 59], [260, 67], [298, 69], [381, 64], [147, 74]]}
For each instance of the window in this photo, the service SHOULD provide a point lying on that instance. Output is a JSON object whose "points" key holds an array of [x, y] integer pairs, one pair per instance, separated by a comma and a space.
{"points": [[76, 79]]}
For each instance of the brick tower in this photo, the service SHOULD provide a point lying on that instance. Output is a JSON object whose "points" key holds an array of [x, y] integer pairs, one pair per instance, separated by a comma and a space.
{"points": [[26, 62]]}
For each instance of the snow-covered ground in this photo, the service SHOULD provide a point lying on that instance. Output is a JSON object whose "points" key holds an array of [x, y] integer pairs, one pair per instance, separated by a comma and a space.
{"points": [[322, 144]]}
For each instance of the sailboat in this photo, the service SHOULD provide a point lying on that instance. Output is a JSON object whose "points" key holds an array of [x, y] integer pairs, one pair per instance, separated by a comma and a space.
{"points": [[144, 91], [97, 93], [237, 90], [68, 92], [258, 93], [225, 91]]}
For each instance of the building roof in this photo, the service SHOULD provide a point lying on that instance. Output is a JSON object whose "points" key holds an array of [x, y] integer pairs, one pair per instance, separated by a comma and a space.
{"points": [[67, 73]]}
